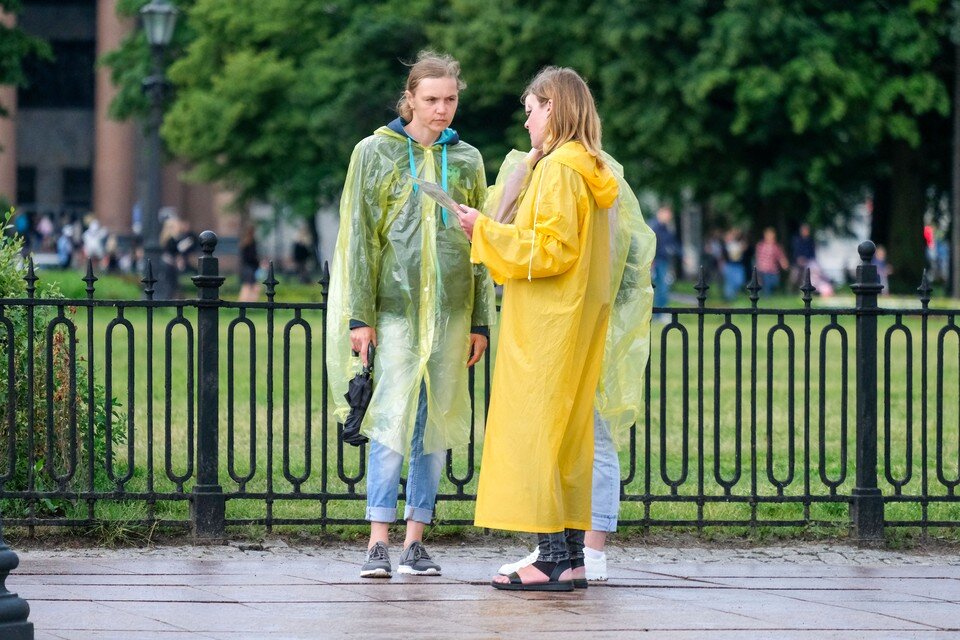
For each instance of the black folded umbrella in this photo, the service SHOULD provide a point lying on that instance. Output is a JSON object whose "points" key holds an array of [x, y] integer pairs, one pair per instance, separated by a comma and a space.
{"points": [[358, 395]]}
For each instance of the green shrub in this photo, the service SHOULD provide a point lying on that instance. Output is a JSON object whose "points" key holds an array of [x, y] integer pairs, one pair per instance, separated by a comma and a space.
{"points": [[57, 455]]}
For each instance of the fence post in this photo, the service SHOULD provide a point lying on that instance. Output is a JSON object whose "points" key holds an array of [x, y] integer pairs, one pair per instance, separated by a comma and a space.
{"points": [[866, 506], [208, 509]]}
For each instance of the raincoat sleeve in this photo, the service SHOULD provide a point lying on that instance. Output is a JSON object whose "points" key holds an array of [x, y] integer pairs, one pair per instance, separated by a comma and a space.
{"points": [[484, 298], [552, 246], [620, 394], [362, 246], [504, 196], [353, 276]]}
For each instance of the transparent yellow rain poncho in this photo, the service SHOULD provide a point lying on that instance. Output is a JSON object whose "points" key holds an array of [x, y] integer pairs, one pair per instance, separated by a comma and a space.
{"points": [[568, 343], [402, 266], [619, 397]]}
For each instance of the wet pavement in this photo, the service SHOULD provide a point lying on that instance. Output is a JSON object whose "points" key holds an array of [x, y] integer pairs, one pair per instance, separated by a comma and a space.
{"points": [[276, 591]]}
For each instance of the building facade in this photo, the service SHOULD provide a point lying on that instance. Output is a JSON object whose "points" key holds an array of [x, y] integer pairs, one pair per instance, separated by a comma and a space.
{"points": [[61, 153]]}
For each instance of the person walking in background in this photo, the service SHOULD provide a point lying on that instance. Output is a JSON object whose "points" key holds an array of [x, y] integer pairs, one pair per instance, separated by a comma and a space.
{"points": [[883, 268], [803, 251], [301, 253], [668, 250], [735, 260], [402, 280], [770, 260], [249, 264], [168, 278]]}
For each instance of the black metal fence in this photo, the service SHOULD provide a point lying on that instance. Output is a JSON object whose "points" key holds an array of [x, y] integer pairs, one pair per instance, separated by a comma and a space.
{"points": [[206, 413]]}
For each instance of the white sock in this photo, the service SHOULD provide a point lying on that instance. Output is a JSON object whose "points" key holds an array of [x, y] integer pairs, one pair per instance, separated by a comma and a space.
{"points": [[593, 554]]}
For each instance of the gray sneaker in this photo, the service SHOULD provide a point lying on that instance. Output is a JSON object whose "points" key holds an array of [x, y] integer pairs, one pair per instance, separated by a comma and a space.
{"points": [[416, 561], [378, 562]]}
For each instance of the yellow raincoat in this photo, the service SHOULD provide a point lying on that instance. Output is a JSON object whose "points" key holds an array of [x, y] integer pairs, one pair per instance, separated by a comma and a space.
{"points": [[620, 394], [555, 262], [402, 266]]}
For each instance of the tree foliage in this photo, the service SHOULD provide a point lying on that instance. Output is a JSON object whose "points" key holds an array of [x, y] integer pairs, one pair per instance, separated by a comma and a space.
{"points": [[771, 112], [15, 45]]}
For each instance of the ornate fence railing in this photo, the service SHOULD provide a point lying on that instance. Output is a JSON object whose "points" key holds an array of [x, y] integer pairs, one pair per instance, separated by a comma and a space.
{"points": [[207, 413]]}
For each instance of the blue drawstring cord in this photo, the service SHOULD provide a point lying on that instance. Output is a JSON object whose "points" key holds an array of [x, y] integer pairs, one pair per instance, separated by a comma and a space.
{"points": [[413, 165], [443, 179], [443, 172]]}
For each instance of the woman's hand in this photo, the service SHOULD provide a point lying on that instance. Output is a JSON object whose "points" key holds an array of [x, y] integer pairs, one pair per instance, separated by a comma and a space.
{"points": [[467, 217], [534, 157], [360, 338], [478, 344]]}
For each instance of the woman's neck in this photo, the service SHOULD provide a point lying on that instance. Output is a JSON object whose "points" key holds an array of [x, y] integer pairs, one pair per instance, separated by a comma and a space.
{"points": [[421, 133]]}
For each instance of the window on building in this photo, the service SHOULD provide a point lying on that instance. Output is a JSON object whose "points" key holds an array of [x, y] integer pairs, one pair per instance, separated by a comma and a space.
{"points": [[77, 187], [66, 82], [26, 186]]}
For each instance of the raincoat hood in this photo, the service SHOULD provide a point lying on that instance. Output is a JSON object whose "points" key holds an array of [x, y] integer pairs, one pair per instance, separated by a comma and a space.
{"points": [[602, 182], [449, 136]]}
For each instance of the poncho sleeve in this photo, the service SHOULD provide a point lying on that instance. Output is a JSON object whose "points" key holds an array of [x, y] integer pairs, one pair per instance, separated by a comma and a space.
{"points": [[620, 394], [552, 246], [484, 299], [361, 257]]}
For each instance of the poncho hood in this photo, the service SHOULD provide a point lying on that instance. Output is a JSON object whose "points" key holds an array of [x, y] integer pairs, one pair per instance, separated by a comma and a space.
{"points": [[449, 136], [602, 182]]}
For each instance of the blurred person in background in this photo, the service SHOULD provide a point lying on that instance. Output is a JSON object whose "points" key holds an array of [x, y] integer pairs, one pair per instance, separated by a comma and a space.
{"points": [[770, 260]]}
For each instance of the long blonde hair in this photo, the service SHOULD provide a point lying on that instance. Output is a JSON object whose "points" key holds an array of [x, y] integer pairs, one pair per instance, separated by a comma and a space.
{"points": [[574, 114], [428, 65]]}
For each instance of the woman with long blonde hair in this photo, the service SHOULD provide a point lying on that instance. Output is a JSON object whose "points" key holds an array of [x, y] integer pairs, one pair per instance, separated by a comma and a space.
{"points": [[554, 239]]}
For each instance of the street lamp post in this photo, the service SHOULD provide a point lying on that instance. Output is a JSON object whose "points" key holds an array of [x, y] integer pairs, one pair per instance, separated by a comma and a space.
{"points": [[159, 19], [14, 610]]}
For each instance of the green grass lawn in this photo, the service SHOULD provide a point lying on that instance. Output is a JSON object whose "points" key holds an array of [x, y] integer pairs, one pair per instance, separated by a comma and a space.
{"points": [[758, 454]]}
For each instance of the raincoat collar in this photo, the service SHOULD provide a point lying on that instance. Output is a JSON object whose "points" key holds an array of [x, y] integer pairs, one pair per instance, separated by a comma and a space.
{"points": [[449, 136], [602, 182]]}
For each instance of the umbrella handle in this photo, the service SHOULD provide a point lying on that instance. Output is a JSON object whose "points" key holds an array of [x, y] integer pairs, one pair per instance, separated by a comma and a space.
{"points": [[371, 352]]}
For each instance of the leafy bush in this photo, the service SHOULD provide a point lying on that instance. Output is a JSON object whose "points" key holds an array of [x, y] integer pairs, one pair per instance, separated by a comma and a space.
{"points": [[50, 451]]}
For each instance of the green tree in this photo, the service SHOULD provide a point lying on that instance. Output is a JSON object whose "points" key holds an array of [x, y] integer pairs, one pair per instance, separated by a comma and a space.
{"points": [[15, 46], [271, 95], [766, 112]]}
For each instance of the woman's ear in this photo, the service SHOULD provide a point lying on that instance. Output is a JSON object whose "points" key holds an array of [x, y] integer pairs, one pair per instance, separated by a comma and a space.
{"points": [[408, 96], [549, 106]]}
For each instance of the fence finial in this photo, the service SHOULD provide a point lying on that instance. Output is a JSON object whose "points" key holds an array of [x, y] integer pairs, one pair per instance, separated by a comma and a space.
{"points": [[208, 242], [90, 278], [148, 280], [924, 289], [808, 289]]}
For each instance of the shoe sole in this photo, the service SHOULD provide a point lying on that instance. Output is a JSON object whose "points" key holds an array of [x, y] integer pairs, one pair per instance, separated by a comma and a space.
{"points": [[410, 571], [537, 586], [375, 573]]}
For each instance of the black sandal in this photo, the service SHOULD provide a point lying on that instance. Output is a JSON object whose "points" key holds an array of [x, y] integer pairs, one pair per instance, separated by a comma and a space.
{"points": [[553, 570], [578, 583]]}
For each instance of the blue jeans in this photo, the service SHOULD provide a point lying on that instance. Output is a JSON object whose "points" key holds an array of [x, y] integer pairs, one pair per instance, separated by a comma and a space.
{"points": [[606, 478], [769, 281], [661, 292], [734, 279], [423, 476]]}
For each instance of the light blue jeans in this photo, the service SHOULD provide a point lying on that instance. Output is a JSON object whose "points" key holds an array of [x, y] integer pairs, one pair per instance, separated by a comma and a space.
{"points": [[606, 477], [661, 282], [423, 476]]}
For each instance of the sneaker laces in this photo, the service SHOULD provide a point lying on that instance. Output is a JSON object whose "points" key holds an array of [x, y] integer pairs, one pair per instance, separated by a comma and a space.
{"points": [[377, 552], [420, 552]]}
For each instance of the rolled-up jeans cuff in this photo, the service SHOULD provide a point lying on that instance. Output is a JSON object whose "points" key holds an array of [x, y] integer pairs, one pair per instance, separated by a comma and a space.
{"points": [[603, 522], [418, 515], [381, 514]]}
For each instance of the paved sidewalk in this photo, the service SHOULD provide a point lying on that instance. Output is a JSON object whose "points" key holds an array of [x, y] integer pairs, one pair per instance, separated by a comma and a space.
{"points": [[275, 591]]}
